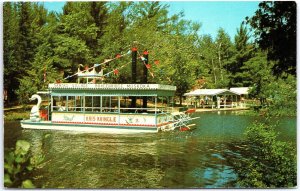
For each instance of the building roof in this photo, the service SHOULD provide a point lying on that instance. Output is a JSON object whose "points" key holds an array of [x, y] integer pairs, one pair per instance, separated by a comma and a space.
{"points": [[211, 92], [241, 90]]}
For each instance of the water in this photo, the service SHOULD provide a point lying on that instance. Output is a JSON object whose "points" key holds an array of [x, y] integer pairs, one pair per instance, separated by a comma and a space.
{"points": [[202, 158]]}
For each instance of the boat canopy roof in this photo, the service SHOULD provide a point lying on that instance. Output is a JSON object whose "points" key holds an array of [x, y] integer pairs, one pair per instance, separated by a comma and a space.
{"points": [[75, 89]]}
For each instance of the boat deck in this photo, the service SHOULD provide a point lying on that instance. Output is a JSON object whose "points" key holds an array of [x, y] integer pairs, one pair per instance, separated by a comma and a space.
{"points": [[90, 128]]}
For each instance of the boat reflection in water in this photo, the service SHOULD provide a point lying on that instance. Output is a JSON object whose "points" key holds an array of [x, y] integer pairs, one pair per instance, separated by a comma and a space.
{"points": [[164, 160]]}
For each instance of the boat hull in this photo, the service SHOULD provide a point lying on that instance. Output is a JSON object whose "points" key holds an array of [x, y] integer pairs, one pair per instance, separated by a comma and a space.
{"points": [[90, 128]]}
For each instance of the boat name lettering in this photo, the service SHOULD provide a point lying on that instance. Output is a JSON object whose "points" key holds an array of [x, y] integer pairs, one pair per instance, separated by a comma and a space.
{"points": [[138, 86], [111, 86], [102, 86], [101, 119]]}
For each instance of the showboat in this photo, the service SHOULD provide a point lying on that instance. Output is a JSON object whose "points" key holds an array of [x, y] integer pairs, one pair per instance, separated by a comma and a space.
{"points": [[107, 108]]}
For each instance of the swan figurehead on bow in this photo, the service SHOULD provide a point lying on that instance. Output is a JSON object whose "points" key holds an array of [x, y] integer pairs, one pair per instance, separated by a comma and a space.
{"points": [[35, 110]]}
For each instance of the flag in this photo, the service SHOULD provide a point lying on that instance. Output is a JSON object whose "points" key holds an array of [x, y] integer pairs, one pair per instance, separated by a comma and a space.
{"points": [[143, 58], [116, 71], [152, 74]]}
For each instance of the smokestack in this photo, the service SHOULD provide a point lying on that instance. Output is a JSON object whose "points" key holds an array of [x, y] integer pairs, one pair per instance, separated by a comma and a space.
{"points": [[133, 65], [133, 73], [145, 70], [145, 75]]}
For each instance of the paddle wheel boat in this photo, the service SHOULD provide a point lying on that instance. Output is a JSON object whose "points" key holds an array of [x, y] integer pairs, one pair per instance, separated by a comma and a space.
{"points": [[108, 108]]}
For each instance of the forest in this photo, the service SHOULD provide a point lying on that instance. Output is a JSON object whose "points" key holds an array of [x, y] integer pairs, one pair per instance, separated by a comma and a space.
{"points": [[42, 47]]}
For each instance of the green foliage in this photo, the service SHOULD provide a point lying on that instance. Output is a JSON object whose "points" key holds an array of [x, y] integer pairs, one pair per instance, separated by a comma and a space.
{"points": [[18, 163], [257, 72], [27, 88], [243, 50], [274, 25], [270, 163], [16, 115], [225, 51], [42, 47], [282, 96], [27, 184], [277, 94], [11, 57]]}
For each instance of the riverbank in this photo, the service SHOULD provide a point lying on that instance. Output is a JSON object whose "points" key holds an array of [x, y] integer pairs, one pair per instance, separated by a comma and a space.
{"points": [[16, 113], [14, 108]]}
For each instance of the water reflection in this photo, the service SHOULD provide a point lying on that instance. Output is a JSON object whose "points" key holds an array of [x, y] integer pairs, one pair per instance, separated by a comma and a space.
{"points": [[203, 158]]}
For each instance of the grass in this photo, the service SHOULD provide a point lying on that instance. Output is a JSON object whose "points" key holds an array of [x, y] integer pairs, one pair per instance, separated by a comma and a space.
{"points": [[16, 115]]}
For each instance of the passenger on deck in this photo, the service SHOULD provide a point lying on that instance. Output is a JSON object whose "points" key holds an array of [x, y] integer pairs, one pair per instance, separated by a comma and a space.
{"points": [[61, 108]]}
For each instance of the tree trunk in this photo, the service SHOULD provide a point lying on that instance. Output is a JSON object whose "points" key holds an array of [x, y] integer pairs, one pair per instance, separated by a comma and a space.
{"points": [[180, 100], [212, 61]]}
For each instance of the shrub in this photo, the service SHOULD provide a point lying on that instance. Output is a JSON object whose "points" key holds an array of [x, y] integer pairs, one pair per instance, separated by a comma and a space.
{"points": [[270, 163], [18, 163]]}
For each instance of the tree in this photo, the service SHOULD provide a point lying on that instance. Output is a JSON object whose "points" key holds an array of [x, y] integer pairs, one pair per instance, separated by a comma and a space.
{"points": [[224, 50], [181, 71], [114, 40], [243, 51], [22, 22], [208, 64], [274, 25], [67, 41], [25, 38], [90, 32], [11, 56]]}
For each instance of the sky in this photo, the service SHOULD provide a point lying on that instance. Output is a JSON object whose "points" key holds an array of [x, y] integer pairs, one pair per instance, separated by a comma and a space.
{"points": [[210, 14]]}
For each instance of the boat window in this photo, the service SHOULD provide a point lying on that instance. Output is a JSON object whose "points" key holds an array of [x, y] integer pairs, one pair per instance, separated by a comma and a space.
{"points": [[74, 103], [109, 104], [59, 103], [164, 104], [88, 103], [96, 104], [125, 104]]}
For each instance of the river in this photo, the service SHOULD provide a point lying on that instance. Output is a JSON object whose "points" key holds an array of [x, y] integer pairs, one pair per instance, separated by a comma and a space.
{"points": [[202, 158]]}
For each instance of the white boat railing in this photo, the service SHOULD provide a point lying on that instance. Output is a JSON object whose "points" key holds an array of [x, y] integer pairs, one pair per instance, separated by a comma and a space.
{"points": [[114, 109]]}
